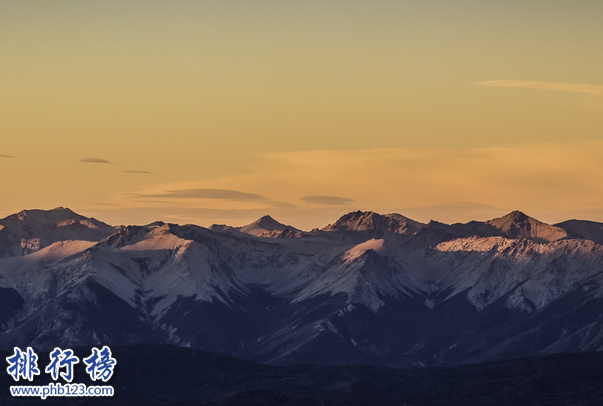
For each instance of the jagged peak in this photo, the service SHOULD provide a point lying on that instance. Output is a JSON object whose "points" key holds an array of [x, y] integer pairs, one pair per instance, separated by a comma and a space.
{"points": [[435, 223], [265, 226], [47, 217], [31, 230], [155, 224], [519, 225], [517, 215], [356, 215], [371, 221], [515, 218], [61, 208], [353, 217], [267, 223]]}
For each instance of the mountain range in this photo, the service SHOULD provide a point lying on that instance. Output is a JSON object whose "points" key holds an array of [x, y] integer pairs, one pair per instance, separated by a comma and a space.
{"points": [[368, 289]]}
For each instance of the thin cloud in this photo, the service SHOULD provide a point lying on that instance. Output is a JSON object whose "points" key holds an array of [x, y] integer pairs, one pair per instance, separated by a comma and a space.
{"points": [[277, 204], [220, 194], [329, 200], [140, 172], [6, 156], [528, 176], [95, 161], [564, 87]]}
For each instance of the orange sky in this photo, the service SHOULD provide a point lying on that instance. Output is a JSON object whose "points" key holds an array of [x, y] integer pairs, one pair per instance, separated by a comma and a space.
{"points": [[204, 112]]}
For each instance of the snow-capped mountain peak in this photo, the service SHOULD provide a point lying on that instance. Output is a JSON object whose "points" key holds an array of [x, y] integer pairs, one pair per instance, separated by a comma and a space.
{"points": [[31, 230], [370, 288]]}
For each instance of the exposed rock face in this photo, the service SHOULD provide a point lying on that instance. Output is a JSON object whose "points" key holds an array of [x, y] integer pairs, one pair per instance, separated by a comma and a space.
{"points": [[30, 230], [266, 227], [369, 221], [517, 225], [371, 288]]}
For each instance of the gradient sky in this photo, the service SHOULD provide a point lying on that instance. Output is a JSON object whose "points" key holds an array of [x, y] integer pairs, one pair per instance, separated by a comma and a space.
{"points": [[207, 112]]}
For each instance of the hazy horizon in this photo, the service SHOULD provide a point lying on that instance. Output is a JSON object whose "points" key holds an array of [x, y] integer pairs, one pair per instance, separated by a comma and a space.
{"points": [[460, 212]]}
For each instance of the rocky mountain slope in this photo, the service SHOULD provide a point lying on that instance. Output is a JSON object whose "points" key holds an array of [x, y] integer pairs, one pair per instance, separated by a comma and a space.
{"points": [[373, 289]]}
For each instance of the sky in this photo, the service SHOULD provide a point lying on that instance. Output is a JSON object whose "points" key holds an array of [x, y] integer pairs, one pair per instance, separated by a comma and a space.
{"points": [[208, 112]]}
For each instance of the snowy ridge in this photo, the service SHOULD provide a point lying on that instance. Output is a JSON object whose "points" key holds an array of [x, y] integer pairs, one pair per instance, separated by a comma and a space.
{"points": [[30, 230], [492, 267], [380, 286]]}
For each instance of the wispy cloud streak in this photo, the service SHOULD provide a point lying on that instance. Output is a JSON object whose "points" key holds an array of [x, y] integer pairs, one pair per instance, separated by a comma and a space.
{"points": [[95, 161], [329, 200], [221, 194], [564, 87]]}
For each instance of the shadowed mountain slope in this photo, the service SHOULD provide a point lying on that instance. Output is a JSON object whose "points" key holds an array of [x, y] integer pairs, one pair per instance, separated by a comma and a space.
{"points": [[152, 375], [373, 289], [589, 230]]}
